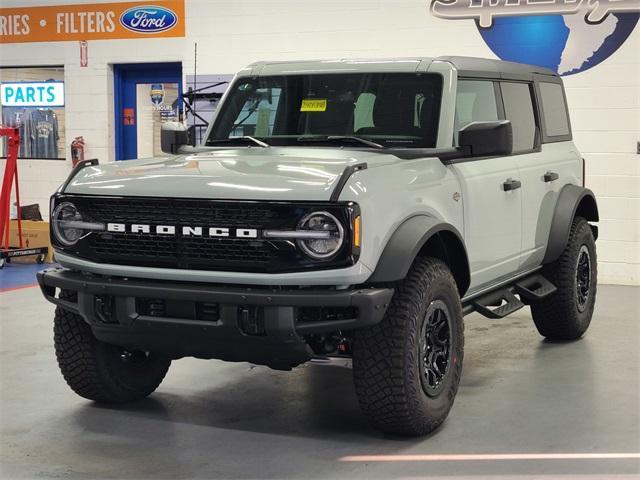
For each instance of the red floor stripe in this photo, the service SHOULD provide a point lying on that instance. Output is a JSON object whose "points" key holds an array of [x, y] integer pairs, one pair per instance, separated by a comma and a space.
{"points": [[488, 456], [11, 289]]}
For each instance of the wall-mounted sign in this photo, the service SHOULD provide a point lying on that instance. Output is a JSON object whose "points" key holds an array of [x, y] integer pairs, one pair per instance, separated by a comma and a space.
{"points": [[567, 36], [84, 53], [34, 94], [98, 21]]}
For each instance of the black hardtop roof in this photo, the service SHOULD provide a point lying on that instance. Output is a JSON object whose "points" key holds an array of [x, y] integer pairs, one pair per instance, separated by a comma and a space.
{"points": [[490, 68]]}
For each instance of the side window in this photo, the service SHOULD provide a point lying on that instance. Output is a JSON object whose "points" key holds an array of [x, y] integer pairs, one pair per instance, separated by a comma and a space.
{"points": [[518, 108], [554, 111], [475, 101]]}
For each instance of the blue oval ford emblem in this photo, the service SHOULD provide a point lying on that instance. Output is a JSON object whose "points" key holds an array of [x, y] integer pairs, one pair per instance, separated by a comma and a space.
{"points": [[148, 19]]}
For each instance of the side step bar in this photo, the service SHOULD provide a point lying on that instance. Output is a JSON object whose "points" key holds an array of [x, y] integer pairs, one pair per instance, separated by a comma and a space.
{"points": [[534, 288], [509, 298]]}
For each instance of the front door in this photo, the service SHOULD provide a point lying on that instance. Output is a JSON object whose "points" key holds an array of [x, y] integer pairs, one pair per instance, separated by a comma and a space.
{"points": [[146, 95], [492, 212]]}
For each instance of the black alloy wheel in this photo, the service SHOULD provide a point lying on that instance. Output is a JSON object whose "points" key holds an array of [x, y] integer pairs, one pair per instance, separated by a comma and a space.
{"points": [[435, 349]]}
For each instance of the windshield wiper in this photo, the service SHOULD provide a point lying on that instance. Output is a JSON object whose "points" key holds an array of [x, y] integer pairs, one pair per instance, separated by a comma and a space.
{"points": [[245, 138], [339, 138]]}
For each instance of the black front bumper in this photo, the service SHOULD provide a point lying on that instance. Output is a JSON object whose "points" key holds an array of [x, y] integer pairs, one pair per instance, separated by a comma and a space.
{"points": [[259, 325]]}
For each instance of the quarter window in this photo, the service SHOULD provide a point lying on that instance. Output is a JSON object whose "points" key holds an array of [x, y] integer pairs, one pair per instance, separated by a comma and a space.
{"points": [[554, 111], [518, 108]]}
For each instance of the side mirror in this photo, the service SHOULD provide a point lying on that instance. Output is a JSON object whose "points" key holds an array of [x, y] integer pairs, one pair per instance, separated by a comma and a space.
{"points": [[483, 139], [173, 135]]}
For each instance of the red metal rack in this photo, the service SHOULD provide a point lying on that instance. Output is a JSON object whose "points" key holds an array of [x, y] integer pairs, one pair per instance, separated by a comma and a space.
{"points": [[10, 178]]}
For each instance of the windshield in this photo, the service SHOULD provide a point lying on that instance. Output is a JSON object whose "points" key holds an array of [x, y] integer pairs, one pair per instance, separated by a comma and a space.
{"points": [[390, 109]]}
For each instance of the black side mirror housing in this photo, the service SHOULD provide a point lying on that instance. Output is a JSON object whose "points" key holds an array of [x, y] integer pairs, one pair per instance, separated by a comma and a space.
{"points": [[173, 135], [484, 139]]}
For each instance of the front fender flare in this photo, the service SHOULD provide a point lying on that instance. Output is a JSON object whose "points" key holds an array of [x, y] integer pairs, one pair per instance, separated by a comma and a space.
{"points": [[573, 200], [407, 241]]}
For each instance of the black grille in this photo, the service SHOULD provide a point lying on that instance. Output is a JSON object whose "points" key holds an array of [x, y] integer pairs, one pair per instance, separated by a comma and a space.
{"points": [[200, 252]]}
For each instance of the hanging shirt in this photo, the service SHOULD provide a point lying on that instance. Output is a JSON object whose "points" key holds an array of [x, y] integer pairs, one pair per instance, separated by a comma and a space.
{"points": [[16, 117], [43, 127]]}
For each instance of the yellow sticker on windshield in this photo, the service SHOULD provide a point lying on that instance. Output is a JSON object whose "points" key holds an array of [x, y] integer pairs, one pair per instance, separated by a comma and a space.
{"points": [[313, 105]]}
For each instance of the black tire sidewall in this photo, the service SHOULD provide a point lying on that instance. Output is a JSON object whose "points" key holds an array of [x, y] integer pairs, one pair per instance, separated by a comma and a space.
{"points": [[127, 376], [437, 405], [94, 369], [583, 237], [557, 317]]}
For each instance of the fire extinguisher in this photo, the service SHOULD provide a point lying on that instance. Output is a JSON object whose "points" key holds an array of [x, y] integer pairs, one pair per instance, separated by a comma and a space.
{"points": [[77, 150]]}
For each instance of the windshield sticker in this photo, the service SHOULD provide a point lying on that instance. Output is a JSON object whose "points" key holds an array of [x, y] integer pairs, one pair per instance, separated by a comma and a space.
{"points": [[313, 105]]}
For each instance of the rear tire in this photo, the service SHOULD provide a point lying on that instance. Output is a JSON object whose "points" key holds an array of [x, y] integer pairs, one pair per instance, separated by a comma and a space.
{"points": [[566, 314], [99, 371], [407, 368]]}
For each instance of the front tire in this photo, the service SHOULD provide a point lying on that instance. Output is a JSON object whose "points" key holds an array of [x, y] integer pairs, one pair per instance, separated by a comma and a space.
{"points": [[407, 368], [566, 314], [99, 371]]}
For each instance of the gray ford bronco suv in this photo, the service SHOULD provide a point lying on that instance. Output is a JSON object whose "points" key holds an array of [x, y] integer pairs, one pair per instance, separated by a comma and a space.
{"points": [[349, 208]]}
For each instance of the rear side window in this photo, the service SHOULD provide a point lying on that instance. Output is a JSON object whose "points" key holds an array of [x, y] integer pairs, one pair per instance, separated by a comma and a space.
{"points": [[518, 108], [554, 111], [475, 102]]}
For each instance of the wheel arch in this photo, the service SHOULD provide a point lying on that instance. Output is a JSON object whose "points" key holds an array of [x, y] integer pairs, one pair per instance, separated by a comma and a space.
{"points": [[573, 201], [422, 235]]}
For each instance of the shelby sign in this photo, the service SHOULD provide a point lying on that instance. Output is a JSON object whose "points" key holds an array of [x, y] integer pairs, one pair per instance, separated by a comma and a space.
{"points": [[37, 94], [568, 36]]}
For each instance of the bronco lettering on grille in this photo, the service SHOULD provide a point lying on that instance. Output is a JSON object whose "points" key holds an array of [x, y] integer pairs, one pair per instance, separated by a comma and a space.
{"points": [[185, 231]]}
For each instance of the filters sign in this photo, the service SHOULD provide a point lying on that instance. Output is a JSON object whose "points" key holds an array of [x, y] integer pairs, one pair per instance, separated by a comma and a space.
{"points": [[99, 21]]}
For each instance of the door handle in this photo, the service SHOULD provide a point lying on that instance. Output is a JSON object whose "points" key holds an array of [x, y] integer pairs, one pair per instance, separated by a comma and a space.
{"points": [[510, 184], [550, 177]]}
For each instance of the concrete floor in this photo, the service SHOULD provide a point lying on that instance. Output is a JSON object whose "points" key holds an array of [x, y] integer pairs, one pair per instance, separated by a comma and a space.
{"points": [[519, 394]]}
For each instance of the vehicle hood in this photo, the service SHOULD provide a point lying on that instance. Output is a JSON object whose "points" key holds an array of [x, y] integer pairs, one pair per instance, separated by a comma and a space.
{"points": [[276, 173]]}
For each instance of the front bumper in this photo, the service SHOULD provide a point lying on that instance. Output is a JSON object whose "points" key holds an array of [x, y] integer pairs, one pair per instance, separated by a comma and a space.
{"points": [[258, 325]]}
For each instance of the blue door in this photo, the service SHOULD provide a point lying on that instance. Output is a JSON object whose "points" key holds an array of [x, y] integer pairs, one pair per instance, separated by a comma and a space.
{"points": [[128, 78]]}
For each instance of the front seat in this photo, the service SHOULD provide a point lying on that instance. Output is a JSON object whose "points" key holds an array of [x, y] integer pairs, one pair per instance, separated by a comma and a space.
{"points": [[337, 119], [393, 114]]}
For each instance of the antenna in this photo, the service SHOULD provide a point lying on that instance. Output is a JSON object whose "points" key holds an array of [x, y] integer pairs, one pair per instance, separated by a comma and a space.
{"points": [[195, 87]]}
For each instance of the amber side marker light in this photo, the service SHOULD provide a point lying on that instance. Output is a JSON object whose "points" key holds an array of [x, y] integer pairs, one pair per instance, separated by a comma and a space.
{"points": [[356, 232]]}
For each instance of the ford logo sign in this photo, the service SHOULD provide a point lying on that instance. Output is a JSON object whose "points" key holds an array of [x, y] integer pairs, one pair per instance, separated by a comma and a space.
{"points": [[148, 19]]}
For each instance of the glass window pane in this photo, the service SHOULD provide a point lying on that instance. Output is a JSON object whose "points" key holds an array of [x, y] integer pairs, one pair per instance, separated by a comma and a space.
{"points": [[257, 115], [518, 108], [475, 102], [394, 109], [25, 106], [554, 110]]}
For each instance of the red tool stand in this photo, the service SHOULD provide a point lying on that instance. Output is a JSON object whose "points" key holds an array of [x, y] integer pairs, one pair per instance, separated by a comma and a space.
{"points": [[11, 177]]}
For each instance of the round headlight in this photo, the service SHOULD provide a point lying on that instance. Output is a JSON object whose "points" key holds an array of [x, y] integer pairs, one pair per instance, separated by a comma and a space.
{"points": [[326, 245], [64, 217]]}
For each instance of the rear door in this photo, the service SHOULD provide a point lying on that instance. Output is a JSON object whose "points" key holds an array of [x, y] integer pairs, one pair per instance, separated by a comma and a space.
{"points": [[543, 167], [492, 216]]}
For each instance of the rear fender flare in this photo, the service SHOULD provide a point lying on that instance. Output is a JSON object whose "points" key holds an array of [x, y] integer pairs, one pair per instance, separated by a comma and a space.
{"points": [[573, 200]]}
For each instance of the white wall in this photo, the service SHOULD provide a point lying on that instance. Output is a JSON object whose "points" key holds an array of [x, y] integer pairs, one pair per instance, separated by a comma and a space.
{"points": [[604, 101]]}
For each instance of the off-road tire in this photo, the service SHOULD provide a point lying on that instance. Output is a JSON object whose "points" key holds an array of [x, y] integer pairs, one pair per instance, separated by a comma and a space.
{"points": [[99, 371], [387, 357], [558, 317]]}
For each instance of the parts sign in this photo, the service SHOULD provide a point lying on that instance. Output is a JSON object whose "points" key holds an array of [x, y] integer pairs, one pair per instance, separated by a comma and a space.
{"points": [[99, 21], [33, 94]]}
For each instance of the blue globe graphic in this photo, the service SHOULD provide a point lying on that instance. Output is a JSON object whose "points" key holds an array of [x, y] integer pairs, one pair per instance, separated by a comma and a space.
{"points": [[564, 43]]}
